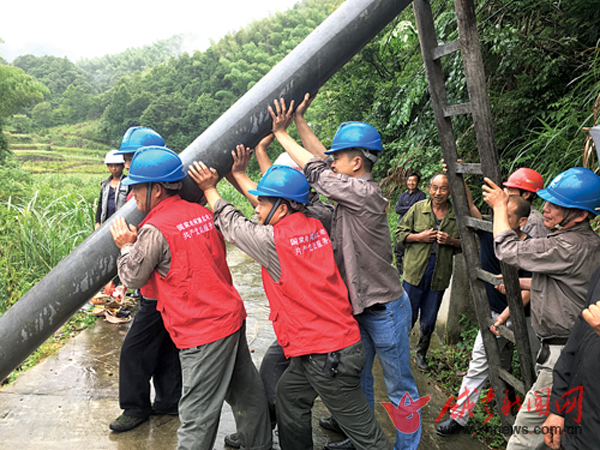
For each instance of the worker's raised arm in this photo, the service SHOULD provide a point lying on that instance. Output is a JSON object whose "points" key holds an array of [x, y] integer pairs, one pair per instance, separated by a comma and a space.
{"points": [[241, 181], [498, 201], [309, 140], [261, 152], [206, 178], [282, 117]]}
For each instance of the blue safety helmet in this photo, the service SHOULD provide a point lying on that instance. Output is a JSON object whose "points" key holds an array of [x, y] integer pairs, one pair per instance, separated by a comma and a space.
{"points": [[283, 182], [356, 135], [137, 137], [577, 188], [154, 164]]}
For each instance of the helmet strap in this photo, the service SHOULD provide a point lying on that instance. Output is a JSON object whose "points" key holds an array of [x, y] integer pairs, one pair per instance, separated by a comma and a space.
{"points": [[149, 196], [565, 220], [370, 156], [270, 215]]}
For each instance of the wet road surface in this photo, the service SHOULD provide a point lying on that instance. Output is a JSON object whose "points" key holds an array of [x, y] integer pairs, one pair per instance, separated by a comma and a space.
{"points": [[68, 400]]}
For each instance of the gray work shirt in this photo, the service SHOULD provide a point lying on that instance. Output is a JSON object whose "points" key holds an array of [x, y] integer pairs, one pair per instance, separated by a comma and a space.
{"points": [[360, 234], [256, 240], [535, 225], [561, 265], [138, 261]]}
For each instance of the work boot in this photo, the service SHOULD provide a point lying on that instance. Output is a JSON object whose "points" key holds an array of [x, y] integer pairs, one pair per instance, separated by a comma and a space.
{"points": [[154, 411], [233, 440], [448, 427], [331, 424], [422, 347], [126, 423], [346, 444]]}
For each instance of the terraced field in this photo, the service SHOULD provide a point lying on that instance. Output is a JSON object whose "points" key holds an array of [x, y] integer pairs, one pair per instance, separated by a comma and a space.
{"points": [[46, 157]]}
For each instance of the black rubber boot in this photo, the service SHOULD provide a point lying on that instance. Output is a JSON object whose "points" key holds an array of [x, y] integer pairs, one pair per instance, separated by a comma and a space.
{"points": [[420, 358], [448, 427], [331, 424]]}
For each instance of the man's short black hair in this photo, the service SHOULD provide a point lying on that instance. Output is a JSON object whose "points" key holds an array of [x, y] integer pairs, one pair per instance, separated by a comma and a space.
{"points": [[414, 174], [531, 198], [523, 207], [358, 151], [282, 201]]}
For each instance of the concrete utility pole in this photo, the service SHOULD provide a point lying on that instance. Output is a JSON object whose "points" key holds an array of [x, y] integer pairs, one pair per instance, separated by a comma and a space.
{"points": [[51, 302]]}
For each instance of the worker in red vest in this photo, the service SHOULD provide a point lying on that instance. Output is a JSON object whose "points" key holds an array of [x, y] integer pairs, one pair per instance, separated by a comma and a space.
{"points": [[179, 258], [148, 353], [310, 310]]}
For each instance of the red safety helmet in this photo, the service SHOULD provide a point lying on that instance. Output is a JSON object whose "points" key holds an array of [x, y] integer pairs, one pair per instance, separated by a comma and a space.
{"points": [[526, 179]]}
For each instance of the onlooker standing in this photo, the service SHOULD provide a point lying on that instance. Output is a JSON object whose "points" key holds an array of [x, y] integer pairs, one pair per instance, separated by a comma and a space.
{"points": [[406, 200], [430, 234], [113, 193]]}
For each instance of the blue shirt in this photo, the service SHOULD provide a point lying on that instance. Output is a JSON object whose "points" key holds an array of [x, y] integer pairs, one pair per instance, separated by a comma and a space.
{"points": [[406, 200]]}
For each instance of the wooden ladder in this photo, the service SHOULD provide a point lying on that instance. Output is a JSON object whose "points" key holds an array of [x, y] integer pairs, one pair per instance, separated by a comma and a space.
{"points": [[478, 106]]}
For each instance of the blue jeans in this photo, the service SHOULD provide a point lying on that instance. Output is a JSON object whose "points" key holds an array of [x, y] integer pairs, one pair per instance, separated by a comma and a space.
{"points": [[385, 333], [424, 301]]}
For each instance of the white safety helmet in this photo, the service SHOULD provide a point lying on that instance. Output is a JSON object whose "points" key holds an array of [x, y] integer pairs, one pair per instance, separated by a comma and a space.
{"points": [[111, 158], [286, 160]]}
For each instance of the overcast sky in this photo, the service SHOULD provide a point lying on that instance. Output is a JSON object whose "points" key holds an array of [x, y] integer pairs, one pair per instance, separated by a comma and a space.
{"points": [[80, 29]]}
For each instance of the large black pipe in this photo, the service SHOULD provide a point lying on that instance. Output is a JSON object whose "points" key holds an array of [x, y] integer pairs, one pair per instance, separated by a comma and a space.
{"points": [[52, 301]]}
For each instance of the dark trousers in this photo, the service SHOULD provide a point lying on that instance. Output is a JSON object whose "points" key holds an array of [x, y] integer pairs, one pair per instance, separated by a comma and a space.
{"points": [[148, 353], [272, 367], [342, 395], [425, 302], [399, 254]]}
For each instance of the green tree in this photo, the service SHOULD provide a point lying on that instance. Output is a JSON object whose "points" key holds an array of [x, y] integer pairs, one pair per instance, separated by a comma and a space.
{"points": [[75, 104], [42, 115], [17, 90]]}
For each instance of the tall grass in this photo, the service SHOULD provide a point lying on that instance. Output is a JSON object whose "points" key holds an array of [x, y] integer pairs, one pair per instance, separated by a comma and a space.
{"points": [[43, 218], [39, 227], [229, 193]]}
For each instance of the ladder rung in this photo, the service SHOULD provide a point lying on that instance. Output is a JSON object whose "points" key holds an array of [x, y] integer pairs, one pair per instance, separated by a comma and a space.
{"points": [[469, 168], [446, 49], [512, 380], [489, 277], [507, 333], [478, 224], [457, 110]]}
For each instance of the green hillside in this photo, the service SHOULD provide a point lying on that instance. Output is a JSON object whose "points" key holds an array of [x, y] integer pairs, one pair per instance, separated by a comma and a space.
{"points": [[63, 149]]}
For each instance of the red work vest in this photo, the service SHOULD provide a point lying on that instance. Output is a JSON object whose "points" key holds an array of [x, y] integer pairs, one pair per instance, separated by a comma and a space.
{"points": [[310, 309], [196, 299]]}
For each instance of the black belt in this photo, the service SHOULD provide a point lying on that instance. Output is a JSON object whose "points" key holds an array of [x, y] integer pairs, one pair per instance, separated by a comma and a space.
{"points": [[376, 307], [555, 340]]}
